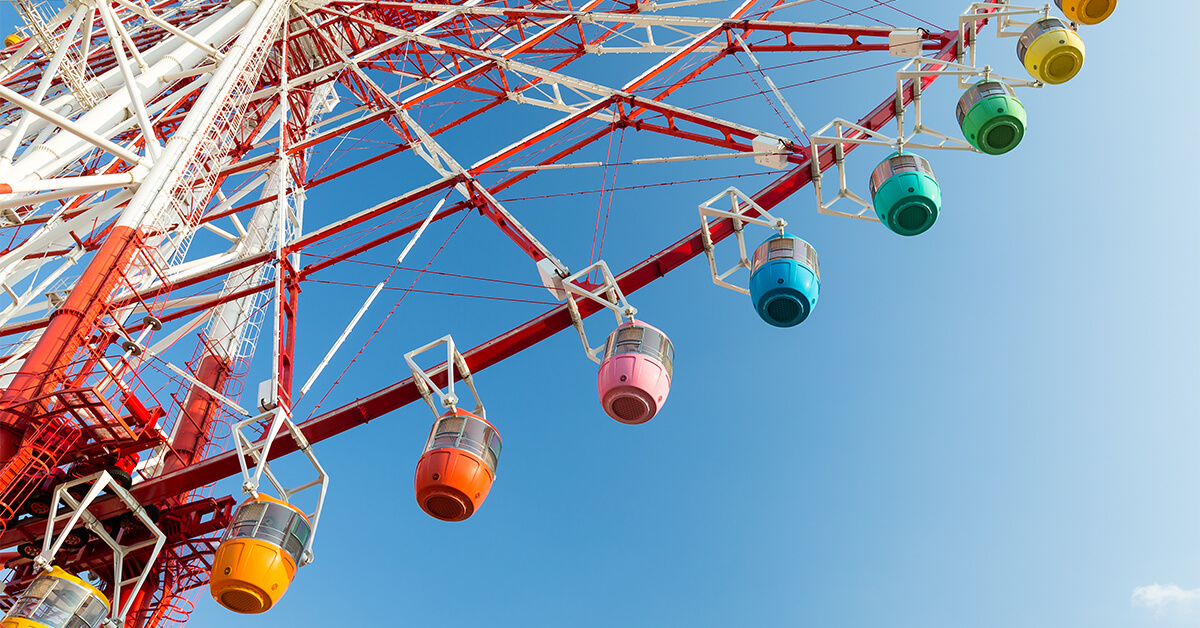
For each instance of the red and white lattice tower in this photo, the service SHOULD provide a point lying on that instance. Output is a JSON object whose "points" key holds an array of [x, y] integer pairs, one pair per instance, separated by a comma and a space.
{"points": [[154, 162]]}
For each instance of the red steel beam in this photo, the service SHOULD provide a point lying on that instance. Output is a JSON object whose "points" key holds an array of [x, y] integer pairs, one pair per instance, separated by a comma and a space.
{"points": [[520, 338], [508, 344]]}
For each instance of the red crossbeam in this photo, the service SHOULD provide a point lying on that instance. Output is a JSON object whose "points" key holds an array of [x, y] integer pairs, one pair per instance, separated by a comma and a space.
{"points": [[496, 350]]}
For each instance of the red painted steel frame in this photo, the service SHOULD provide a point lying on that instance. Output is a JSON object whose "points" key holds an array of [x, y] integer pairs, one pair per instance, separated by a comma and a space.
{"points": [[188, 473], [518, 339]]}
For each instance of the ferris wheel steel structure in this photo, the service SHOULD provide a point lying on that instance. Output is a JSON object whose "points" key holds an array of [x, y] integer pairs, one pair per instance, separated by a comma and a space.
{"points": [[128, 128]]}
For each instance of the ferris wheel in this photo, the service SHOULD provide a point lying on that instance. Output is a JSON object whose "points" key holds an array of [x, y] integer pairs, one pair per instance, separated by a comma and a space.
{"points": [[163, 177]]}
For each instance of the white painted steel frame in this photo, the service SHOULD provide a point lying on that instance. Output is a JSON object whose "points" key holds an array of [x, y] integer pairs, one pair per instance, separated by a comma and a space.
{"points": [[911, 74], [607, 293], [257, 452], [77, 510], [740, 203], [148, 188], [454, 364]]}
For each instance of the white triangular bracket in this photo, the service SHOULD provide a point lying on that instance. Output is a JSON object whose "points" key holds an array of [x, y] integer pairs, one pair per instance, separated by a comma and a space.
{"points": [[607, 294], [424, 379], [916, 70], [257, 452], [1002, 15], [740, 204], [920, 68], [844, 132], [76, 510]]}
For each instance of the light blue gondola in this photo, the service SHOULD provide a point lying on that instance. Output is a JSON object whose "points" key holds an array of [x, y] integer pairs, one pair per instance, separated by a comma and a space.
{"points": [[785, 280]]}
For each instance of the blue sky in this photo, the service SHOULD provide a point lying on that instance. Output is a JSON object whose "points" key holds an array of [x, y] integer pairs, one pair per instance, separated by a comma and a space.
{"points": [[992, 424]]}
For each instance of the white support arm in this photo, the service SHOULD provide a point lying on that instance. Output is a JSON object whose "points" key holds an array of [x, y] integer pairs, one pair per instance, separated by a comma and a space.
{"points": [[78, 509], [607, 294], [740, 205], [424, 381]]}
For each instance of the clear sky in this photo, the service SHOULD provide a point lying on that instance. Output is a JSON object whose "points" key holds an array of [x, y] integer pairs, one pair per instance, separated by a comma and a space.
{"points": [[993, 424]]}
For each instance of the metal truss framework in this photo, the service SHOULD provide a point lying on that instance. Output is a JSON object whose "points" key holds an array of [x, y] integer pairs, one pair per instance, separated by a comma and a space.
{"points": [[129, 130]]}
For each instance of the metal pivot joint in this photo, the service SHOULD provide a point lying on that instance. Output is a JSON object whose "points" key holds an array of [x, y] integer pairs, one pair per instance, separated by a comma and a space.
{"points": [[455, 365], [606, 294]]}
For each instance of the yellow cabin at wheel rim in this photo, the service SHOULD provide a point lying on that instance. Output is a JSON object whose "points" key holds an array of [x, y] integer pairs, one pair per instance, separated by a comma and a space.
{"points": [[1050, 51], [58, 600], [1088, 12]]}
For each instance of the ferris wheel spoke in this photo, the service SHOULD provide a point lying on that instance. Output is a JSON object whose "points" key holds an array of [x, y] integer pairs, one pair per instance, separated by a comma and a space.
{"points": [[148, 14], [225, 265], [676, 36], [482, 356], [424, 145], [224, 147], [475, 71], [437, 157], [70, 126], [116, 35]]}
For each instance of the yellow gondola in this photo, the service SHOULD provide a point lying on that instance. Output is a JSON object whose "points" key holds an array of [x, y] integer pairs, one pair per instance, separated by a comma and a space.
{"points": [[1051, 51], [259, 555], [1088, 12], [58, 600]]}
